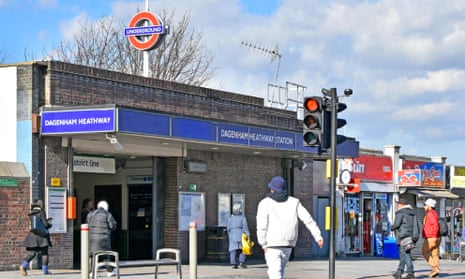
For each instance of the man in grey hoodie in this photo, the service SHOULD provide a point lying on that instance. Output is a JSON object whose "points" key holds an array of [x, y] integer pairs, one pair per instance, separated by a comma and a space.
{"points": [[407, 232], [277, 226]]}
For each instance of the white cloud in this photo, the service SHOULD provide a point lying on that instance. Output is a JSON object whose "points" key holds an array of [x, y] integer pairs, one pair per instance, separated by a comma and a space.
{"points": [[403, 59]]}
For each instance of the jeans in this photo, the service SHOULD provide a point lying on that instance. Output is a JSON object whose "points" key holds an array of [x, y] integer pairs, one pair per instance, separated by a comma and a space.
{"points": [[405, 258], [276, 260], [236, 255]]}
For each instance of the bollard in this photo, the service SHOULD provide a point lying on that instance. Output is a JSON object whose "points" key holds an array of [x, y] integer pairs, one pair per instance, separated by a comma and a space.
{"points": [[84, 251], [192, 250]]}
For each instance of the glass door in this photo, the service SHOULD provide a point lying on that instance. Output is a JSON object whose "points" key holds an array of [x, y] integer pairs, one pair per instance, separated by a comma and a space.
{"points": [[367, 232], [352, 224], [140, 221], [381, 221]]}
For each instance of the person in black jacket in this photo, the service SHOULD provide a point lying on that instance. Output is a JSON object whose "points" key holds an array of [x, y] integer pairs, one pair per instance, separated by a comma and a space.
{"points": [[37, 244], [406, 230], [87, 207], [101, 224]]}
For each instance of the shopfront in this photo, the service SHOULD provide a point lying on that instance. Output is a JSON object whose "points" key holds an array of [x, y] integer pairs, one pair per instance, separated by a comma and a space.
{"points": [[367, 201], [418, 181], [455, 208]]}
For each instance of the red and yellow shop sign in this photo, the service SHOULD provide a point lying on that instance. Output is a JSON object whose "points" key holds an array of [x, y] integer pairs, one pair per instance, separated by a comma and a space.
{"points": [[431, 173], [409, 178], [366, 167]]}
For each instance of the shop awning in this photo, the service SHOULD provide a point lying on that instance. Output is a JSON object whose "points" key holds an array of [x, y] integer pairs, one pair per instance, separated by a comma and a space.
{"points": [[459, 191], [433, 193], [377, 187]]}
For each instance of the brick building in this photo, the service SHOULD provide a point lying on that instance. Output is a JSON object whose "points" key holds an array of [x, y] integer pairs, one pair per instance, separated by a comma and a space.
{"points": [[155, 150]]}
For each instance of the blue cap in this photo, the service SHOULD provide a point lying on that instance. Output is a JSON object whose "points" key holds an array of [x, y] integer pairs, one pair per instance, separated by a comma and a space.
{"points": [[277, 184]]}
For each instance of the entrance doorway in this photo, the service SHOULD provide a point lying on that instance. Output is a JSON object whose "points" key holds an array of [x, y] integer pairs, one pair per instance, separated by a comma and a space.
{"points": [[140, 221], [367, 232], [111, 194]]}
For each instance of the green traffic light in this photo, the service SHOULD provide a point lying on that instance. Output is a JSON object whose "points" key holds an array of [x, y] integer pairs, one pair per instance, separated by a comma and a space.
{"points": [[311, 139]]}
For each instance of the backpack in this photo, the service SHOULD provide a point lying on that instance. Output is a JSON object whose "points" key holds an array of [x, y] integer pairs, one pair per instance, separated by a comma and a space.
{"points": [[443, 227]]}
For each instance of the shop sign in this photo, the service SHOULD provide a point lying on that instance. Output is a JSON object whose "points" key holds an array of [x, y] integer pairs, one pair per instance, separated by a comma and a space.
{"points": [[409, 177], [432, 174], [365, 167], [457, 177]]}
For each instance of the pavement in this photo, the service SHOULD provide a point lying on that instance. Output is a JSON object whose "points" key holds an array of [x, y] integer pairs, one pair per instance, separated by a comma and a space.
{"points": [[345, 268]]}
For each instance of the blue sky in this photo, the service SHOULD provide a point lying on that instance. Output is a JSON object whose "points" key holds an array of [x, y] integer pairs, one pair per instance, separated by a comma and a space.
{"points": [[404, 60]]}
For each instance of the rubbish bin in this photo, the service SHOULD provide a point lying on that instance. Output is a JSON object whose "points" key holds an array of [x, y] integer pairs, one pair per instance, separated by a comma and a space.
{"points": [[390, 248], [217, 244]]}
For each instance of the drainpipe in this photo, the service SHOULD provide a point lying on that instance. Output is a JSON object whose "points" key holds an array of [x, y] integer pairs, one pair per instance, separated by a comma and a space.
{"points": [[287, 166], [393, 151]]}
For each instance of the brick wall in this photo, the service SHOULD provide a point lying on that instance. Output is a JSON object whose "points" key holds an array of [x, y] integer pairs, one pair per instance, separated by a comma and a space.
{"points": [[14, 208], [61, 253], [78, 85], [232, 173]]}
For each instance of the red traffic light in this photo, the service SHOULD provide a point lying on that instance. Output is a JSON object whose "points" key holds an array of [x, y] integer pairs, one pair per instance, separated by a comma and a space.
{"points": [[312, 105]]}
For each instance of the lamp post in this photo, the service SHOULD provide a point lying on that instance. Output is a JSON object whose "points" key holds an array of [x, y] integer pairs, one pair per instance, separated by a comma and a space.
{"points": [[332, 94], [334, 107]]}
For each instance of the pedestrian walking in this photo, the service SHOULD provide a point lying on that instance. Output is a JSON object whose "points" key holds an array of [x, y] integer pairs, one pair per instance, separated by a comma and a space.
{"points": [[37, 243], [432, 239], [101, 224], [237, 225], [277, 226], [407, 232], [87, 207]]}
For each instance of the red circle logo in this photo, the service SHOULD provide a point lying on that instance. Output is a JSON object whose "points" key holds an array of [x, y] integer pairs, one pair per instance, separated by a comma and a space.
{"points": [[145, 31]]}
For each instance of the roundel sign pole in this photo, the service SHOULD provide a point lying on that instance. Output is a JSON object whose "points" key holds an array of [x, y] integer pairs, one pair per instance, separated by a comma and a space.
{"points": [[145, 31]]}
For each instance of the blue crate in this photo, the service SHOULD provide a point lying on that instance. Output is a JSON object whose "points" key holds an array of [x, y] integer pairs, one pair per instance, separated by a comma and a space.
{"points": [[390, 248]]}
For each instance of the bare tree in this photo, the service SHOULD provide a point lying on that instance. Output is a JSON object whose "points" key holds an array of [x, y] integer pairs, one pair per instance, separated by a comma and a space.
{"points": [[180, 57]]}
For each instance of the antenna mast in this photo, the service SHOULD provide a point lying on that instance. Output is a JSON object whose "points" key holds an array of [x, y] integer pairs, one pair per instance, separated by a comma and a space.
{"points": [[274, 53]]}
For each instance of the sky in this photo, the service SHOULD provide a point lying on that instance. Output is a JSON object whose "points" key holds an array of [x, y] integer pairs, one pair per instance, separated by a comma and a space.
{"points": [[404, 60]]}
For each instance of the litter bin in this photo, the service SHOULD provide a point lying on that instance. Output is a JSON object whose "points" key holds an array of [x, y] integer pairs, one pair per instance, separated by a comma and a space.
{"points": [[217, 244], [390, 248]]}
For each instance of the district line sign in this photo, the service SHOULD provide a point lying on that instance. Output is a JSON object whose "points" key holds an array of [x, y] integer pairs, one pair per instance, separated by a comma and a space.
{"points": [[145, 31]]}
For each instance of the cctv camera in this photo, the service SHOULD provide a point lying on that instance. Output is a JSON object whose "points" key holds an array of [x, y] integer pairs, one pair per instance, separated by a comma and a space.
{"points": [[348, 92], [113, 141]]}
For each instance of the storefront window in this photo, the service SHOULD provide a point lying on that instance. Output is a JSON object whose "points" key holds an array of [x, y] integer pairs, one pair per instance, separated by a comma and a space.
{"points": [[381, 222], [351, 224]]}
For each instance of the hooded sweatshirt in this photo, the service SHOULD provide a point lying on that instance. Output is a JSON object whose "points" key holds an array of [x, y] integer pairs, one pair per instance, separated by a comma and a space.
{"points": [[277, 221], [403, 223]]}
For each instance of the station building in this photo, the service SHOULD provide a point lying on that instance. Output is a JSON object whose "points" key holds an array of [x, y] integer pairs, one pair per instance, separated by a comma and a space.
{"points": [[163, 155]]}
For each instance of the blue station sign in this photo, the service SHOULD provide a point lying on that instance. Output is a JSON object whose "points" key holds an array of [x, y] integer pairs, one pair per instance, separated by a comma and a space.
{"points": [[78, 121]]}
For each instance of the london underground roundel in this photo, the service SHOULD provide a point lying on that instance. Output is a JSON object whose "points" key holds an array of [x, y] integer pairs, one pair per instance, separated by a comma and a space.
{"points": [[145, 31]]}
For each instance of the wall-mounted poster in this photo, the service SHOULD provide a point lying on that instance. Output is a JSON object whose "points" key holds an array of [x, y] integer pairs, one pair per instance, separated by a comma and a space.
{"points": [[224, 208], [191, 209], [56, 209], [239, 198]]}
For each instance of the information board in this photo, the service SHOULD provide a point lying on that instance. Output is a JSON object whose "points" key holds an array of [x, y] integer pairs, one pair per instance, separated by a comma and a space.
{"points": [[191, 209], [56, 209]]}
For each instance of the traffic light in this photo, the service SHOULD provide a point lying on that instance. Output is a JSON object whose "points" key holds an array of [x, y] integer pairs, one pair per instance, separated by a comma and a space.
{"points": [[340, 123], [326, 141], [314, 109]]}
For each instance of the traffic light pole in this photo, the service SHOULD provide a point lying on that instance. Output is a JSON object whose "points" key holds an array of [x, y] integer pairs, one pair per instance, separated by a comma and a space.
{"points": [[333, 225]]}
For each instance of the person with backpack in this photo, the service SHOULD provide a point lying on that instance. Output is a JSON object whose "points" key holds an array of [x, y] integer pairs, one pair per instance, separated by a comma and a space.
{"points": [[407, 233], [432, 238], [37, 244]]}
